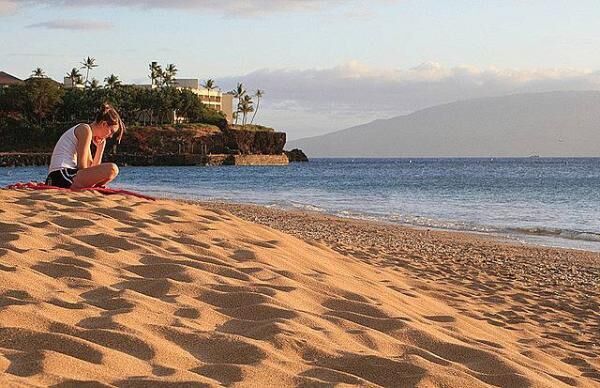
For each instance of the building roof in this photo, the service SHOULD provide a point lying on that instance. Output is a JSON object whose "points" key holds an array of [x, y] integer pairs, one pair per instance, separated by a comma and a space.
{"points": [[7, 79]]}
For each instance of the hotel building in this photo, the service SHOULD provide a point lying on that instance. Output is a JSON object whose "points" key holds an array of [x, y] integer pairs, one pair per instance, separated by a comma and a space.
{"points": [[215, 98]]}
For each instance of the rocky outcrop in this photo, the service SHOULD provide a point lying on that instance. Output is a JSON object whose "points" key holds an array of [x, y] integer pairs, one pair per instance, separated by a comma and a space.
{"points": [[255, 142], [188, 145], [201, 139], [296, 155]]}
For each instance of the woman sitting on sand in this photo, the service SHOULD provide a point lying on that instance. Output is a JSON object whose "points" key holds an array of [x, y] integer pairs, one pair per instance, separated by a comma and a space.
{"points": [[72, 165]]}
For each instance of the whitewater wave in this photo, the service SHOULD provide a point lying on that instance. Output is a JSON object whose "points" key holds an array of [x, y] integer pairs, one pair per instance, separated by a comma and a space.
{"points": [[560, 233]]}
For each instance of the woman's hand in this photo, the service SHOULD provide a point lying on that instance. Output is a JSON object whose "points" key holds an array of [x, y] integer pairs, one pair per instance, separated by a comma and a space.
{"points": [[98, 141]]}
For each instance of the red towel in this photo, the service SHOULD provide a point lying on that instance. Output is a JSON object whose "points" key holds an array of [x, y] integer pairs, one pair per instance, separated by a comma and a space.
{"points": [[103, 190]]}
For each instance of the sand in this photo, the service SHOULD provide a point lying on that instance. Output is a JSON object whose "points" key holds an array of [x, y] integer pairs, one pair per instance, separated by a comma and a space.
{"points": [[122, 291]]}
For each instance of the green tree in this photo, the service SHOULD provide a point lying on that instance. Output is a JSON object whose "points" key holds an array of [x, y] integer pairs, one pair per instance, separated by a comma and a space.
{"points": [[72, 105], [112, 81], [75, 77], [94, 84], [42, 99], [88, 64], [155, 73], [238, 93], [168, 76], [209, 85], [38, 73], [245, 108], [259, 93]]}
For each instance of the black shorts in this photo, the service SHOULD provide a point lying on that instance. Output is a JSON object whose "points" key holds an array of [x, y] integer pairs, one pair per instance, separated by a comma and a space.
{"points": [[61, 178]]}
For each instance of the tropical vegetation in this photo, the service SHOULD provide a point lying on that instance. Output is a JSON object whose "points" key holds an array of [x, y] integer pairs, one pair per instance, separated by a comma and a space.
{"points": [[245, 104], [35, 113], [88, 64]]}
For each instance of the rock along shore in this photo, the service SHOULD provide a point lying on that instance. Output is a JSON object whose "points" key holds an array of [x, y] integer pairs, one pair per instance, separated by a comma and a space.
{"points": [[17, 159]]}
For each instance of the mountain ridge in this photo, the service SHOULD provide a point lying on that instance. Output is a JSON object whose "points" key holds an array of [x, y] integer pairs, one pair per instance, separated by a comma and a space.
{"points": [[559, 123]]}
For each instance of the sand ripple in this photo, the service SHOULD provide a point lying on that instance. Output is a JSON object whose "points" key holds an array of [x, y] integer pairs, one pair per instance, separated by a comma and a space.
{"points": [[118, 291]]}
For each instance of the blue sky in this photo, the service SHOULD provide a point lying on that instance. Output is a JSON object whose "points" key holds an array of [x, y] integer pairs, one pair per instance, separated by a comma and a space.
{"points": [[325, 64]]}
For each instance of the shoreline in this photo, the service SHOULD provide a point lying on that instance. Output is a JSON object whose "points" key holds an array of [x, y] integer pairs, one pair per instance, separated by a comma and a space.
{"points": [[277, 218], [131, 292], [554, 222], [527, 240]]}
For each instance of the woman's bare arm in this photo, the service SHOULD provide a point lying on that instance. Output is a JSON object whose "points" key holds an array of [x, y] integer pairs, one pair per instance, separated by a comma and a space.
{"points": [[83, 133], [99, 152]]}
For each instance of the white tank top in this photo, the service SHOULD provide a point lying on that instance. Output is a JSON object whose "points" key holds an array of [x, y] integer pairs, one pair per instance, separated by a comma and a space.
{"points": [[65, 151]]}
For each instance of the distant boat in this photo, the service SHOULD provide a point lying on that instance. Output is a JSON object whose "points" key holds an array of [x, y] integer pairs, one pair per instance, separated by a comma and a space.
{"points": [[534, 156]]}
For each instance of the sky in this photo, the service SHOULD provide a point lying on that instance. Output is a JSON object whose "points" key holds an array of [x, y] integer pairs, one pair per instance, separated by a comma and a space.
{"points": [[324, 65]]}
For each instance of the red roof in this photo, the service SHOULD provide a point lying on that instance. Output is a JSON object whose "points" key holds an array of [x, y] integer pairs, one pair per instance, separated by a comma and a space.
{"points": [[7, 79]]}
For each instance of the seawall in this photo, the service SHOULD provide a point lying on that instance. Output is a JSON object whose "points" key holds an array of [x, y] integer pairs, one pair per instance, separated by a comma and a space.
{"points": [[15, 159]]}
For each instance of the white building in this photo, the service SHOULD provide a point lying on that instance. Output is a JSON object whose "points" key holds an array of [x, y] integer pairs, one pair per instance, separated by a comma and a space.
{"points": [[68, 84], [215, 98]]}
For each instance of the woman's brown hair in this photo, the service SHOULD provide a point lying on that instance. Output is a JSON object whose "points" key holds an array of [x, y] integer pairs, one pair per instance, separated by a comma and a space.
{"points": [[111, 116]]}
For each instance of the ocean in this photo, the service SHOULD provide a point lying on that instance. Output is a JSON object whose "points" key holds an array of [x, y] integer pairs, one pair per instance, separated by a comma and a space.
{"points": [[544, 201]]}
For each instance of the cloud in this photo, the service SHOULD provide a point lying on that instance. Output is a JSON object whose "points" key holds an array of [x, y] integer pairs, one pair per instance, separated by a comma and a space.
{"points": [[226, 7], [355, 87], [354, 93], [72, 25]]}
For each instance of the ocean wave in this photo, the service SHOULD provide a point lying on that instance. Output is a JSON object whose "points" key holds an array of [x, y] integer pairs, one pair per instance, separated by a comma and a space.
{"points": [[553, 235], [288, 205], [307, 206], [555, 232]]}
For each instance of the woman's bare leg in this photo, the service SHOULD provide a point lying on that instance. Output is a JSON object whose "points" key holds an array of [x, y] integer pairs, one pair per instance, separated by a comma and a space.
{"points": [[95, 176]]}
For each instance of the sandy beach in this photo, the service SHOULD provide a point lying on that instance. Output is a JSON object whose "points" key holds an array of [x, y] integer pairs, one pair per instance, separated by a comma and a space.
{"points": [[133, 293]]}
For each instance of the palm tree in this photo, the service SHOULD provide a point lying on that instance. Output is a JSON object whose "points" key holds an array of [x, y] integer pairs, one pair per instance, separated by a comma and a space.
{"points": [[259, 93], [246, 107], [155, 73], [88, 64], [209, 85], [94, 84], [238, 93], [38, 73], [75, 77], [112, 81], [168, 75]]}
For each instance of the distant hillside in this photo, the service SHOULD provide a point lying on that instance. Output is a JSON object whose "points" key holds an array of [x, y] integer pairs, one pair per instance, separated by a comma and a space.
{"points": [[545, 124]]}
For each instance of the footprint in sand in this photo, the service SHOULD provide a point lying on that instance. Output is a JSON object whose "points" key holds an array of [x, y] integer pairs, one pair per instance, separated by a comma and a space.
{"points": [[6, 268], [58, 270], [15, 298], [33, 343], [225, 374], [215, 348], [72, 222], [173, 271], [159, 370], [188, 312], [108, 243], [374, 369], [441, 318], [363, 314], [243, 255]]}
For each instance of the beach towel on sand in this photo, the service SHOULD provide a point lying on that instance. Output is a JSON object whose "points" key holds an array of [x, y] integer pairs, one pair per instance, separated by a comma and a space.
{"points": [[102, 190]]}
